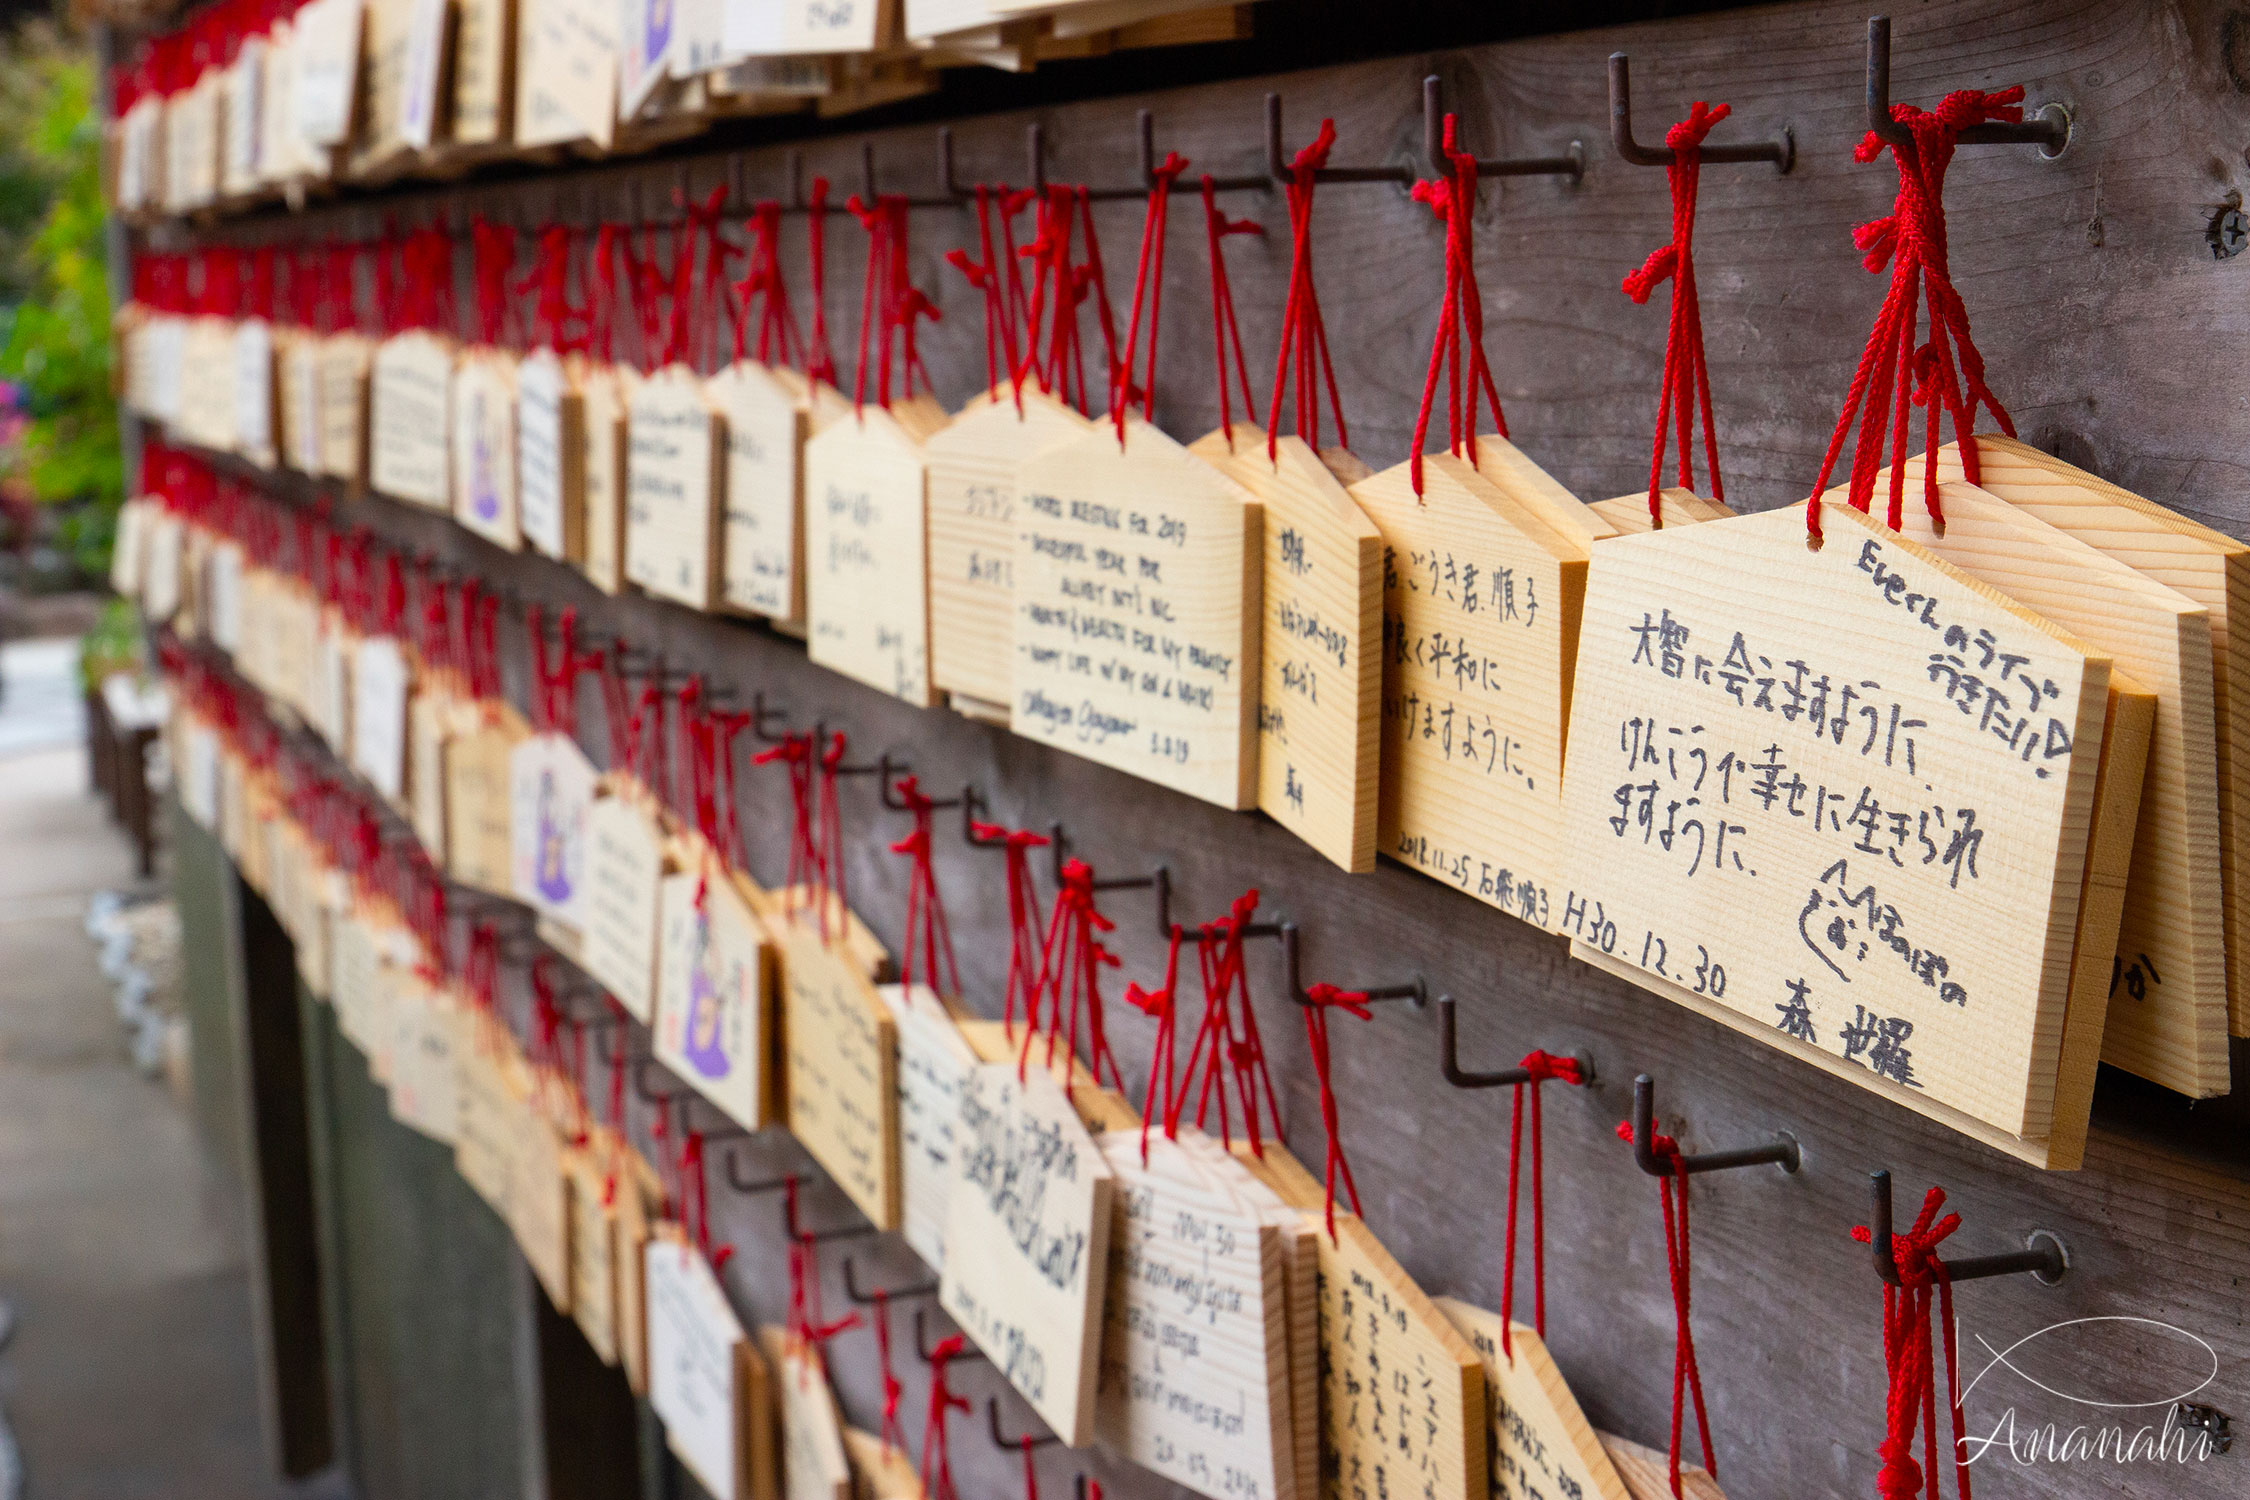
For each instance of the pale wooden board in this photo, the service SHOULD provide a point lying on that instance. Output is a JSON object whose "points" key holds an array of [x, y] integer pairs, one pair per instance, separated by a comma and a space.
{"points": [[635, 1194], [479, 834], [539, 1196], [551, 456], [1627, 515], [714, 1005], [767, 416], [1320, 658], [298, 401], [484, 1121], [814, 1462], [867, 610], [1542, 1444], [603, 393], [1195, 1379], [1480, 617], [2207, 566], [257, 423], [880, 1471], [934, 1061], [426, 1029], [409, 452], [551, 786], [484, 446], [1100, 1108], [593, 1248], [483, 70], [2175, 1032], [566, 72], [972, 477], [789, 27], [207, 405], [1300, 1272], [1655, 720], [1027, 1242], [625, 868], [692, 1337], [433, 717], [1647, 1472], [674, 500], [1513, 471], [380, 681], [841, 1071], [1138, 580], [758, 1419], [345, 362]]}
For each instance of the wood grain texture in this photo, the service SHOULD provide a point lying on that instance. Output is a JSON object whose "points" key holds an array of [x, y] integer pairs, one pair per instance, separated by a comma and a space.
{"points": [[409, 450], [763, 542], [867, 602], [1542, 1443], [674, 495], [840, 1070]]}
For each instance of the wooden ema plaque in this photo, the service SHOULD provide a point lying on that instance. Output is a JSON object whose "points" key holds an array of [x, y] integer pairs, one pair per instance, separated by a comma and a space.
{"points": [[1922, 929], [1542, 1444], [380, 681], [432, 718], [767, 412], [539, 1196], [484, 48], [327, 68], [1195, 1378], [867, 607], [1027, 1241], [1138, 576], [593, 1244], [345, 360], [566, 73], [841, 1069], [714, 1010], [638, 1192], [1647, 1472], [408, 453], [1321, 670], [2208, 567], [425, 1023], [2174, 921], [626, 863], [1402, 1403], [814, 1463], [255, 420], [603, 394], [1627, 515], [484, 447], [879, 1470], [551, 788], [972, 467], [550, 457], [206, 406], [934, 1060], [692, 1338], [299, 401], [1480, 620], [479, 792], [672, 489], [1100, 1109], [483, 1147], [791, 27]]}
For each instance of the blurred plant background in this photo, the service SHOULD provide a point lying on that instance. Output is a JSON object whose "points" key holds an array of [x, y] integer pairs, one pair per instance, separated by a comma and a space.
{"points": [[61, 471]]}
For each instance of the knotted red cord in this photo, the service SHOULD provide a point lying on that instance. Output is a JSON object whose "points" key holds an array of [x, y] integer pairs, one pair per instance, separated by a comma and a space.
{"points": [[1542, 1066], [1228, 1040], [492, 258], [1162, 1003], [1031, 1469], [795, 755], [1686, 387], [893, 1436], [1148, 289], [1320, 999], [548, 281], [695, 1201], [1687, 1378], [937, 1458], [1893, 371], [983, 275], [820, 359], [1458, 349], [830, 832], [1023, 918], [806, 1323], [1304, 336], [890, 303], [766, 291], [601, 294], [695, 300], [1216, 227], [1070, 966], [926, 928], [1909, 1360]]}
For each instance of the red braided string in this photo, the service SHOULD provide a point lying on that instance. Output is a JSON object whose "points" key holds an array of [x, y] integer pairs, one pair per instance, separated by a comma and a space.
{"points": [[1304, 336], [1909, 1358], [894, 1437], [820, 359], [492, 257], [1070, 976], [1160, 1003], [1023, 919], [695, 1201], [926, 927], [937, 1458], [765, 289], [1687, 1377], [806, 1323], [1216, 227], [1893, 372], [1148, 289], [1320, 999], [1542, 1066], [1458, 349], [1686, 386]]}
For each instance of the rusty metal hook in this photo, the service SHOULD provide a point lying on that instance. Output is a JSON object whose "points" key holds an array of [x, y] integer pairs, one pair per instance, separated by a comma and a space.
{"points": [[2047, 127], [1008, 1444], [969, 1351], [884, 1294], [2044, 1255], [1413, 990], [1782, 153], [1449, 1061], [1782, 1153]]}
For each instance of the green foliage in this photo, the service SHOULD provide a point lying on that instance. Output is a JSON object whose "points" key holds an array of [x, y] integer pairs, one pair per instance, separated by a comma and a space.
{"points": [[113, 645], [57, 351]]}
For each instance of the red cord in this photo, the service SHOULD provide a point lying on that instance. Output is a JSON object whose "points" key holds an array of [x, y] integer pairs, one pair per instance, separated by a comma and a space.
{"points": [[1894, 372], [1686, 386], [1542, 1066], [1160, 1003], [1304, 337], [894, 1437], [1216, 227], [1320, 999], [1687, 1376], [1458, 349], [1909, 1357], [937, 1459], [1148, 290], [926, 927], [820, 359]]}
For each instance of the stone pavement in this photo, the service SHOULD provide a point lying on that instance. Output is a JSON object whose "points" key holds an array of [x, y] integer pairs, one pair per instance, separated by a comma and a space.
{"points": [[130, 1371]]}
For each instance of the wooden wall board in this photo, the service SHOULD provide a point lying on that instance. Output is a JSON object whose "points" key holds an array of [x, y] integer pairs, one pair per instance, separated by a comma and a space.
{"points": [[674, 496], [972, 478], [1480, 622], [1542, 1443], [840, 1069], [867, 603], [2174, 1033], [1627, 515], [1976, 1026], [768, 412], [1138, 575], [2207, 566]]}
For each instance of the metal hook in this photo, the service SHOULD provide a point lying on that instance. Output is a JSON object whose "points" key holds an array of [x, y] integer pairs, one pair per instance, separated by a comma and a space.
{"points": [[760, 712], [1035, 160], [640, 1084], [2048, 127], [2044, 1255], [1060, 844], [1164, 913], [754, 1185], [1782, 153], [1413, 990], [1572, 166], [1782, 1153], [1146, 122], [947, 199], [969, 1351], [1277, 158], [1449, 1062], [888, 1294], [797, 1230], [1008, 1444]]}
